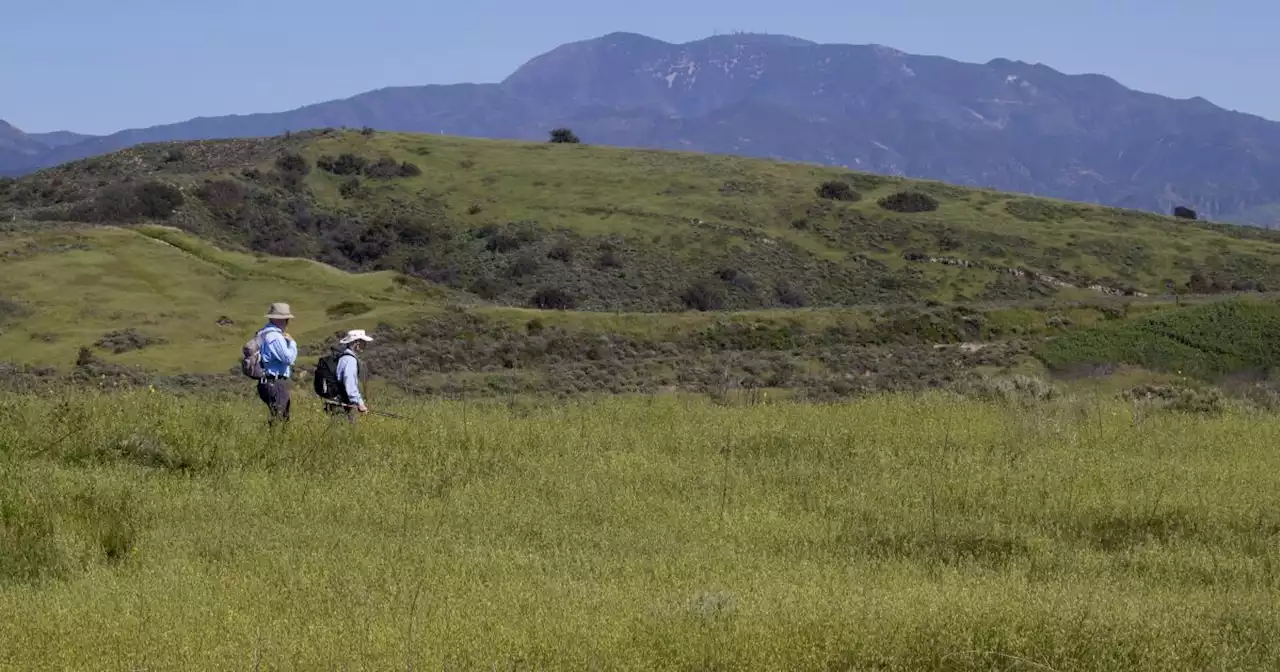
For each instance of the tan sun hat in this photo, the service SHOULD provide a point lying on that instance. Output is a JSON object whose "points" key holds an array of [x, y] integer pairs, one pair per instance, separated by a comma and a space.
{"points": [[279, 311], [356, 335]]}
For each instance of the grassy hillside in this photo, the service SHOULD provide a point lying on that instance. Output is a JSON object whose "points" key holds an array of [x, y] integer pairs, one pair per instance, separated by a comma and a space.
{"points": [[155, 298], [1207, 342], [891, 534], [159, 298], [606, 229]]}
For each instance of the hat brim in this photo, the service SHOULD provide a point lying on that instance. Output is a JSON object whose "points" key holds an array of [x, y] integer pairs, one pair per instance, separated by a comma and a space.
{"points": [[348, 341], [279, 316]]}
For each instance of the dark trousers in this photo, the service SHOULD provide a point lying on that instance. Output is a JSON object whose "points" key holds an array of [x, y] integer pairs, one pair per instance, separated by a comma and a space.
{"points": [[274, 392]]}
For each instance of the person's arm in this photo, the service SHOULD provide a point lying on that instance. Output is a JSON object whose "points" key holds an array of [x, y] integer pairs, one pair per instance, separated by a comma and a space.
{"points": [[279, 348], [348, 373]]}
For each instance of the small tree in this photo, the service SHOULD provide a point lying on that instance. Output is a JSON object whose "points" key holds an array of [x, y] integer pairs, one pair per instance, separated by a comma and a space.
{"points": [[1182, 212], [703, 295], [564, 135], [157, 200], [552, 298], [837, 191], [909, 202]]}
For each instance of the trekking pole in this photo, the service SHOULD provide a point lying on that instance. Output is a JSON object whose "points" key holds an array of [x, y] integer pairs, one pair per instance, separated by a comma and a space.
{"points": [[352, 406]]}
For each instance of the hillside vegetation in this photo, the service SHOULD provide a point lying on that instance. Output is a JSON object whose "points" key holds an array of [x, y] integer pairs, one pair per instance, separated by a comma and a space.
{"points": [[568, 226], [154, 305], [1206, 342]]}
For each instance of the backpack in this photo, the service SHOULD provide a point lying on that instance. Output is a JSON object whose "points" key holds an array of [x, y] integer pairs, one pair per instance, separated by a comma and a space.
{"points": [[325, 381], [251, 357]]}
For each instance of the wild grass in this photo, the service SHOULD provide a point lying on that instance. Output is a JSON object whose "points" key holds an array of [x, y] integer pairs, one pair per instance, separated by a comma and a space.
{"points": [[895, 533]]}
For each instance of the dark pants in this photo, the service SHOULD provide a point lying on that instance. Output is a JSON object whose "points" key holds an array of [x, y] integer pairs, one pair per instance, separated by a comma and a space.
{"points": [[274, 392]]}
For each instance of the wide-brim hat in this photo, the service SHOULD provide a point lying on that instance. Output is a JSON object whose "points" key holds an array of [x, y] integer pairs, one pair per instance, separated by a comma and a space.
{"points": [[279, 311], [356, 335]]}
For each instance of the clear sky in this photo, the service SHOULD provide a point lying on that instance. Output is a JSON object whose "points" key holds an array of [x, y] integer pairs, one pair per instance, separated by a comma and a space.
{"points": [[97, 66]]}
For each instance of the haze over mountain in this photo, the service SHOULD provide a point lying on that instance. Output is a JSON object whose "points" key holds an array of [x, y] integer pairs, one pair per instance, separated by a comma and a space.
{"points": [[1003, 124]]}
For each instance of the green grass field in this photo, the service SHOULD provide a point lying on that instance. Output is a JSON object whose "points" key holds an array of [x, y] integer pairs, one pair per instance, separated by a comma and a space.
{"points": [[896, 533]]}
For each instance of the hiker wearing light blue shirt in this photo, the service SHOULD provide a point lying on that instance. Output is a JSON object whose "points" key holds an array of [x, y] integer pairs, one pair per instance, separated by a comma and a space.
{"points": [[279, 351], [347, 372]]}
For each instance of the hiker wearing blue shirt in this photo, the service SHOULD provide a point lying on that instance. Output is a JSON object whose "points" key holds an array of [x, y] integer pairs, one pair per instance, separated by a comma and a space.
{"points": [[346, 373], [279, 352]]}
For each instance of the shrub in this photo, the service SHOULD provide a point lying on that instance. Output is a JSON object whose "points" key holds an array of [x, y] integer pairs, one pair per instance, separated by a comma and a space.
{"points": [[1182, 212], [175, 155], [523, 265], [347, 309], [224, 198], [126, 340], [552, 298], [12, 310], [158, 200], [1015, 389], [487, 288], [507, 239], [561, 252], [609, 259], [345, 164], [382, 168], [564, 135], [1204, 401], [387, 167], [292, 164], [122, 203], [351, 188], [909, 202], [703, 295], [837, 190], [791, 296]]}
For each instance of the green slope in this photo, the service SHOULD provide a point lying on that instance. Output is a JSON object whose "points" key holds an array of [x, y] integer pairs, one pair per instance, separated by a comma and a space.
{"points": [[71, 288], [1205, 342], [609, 229]]}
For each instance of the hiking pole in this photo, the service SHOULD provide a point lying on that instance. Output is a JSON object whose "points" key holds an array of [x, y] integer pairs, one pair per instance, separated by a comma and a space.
{"points": [[352, 406]]}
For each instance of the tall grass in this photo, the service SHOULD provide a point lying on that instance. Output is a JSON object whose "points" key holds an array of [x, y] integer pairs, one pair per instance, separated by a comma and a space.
{"points": [[900, 533]]}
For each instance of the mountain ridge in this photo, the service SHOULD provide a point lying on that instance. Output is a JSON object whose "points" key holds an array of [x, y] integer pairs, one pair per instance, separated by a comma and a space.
{"points": [[1005, 124]]}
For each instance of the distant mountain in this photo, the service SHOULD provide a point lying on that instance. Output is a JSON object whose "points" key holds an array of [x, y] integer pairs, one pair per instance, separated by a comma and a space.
{"points": [[1003, 124], [17, 149], [59, 138], [20, 151]]}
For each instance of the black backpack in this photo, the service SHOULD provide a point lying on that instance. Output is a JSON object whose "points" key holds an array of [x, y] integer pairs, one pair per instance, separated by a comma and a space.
{"points": [[325, 382]]}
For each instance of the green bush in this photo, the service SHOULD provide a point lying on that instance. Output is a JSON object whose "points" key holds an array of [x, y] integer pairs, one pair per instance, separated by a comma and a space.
{"points": [[909, 202], [704, 295], [552, 298], [564, 135], [836, 190], [347, 309]]}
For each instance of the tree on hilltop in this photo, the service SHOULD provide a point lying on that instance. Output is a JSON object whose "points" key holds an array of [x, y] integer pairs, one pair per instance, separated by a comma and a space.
{"points": [[564, 135]]}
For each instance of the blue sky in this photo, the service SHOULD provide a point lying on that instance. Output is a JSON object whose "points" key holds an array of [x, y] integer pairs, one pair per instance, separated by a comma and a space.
{"points": [[98, 66]]}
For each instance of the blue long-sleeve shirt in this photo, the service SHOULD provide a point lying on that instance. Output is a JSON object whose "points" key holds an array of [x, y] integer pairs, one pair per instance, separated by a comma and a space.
{"points": [[349, 375], [278, 353]]}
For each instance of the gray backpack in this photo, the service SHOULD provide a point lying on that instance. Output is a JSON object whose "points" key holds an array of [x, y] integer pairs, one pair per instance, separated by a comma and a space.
{"points": [[251, 357]]}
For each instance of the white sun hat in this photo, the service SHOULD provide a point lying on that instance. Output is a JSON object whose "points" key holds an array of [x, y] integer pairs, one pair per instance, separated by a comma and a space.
{"points": [[356, 335]]}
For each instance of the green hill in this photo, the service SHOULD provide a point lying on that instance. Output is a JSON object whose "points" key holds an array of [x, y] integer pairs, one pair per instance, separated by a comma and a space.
{"points": [[161, 302], [606, 229], [503, 267]]}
